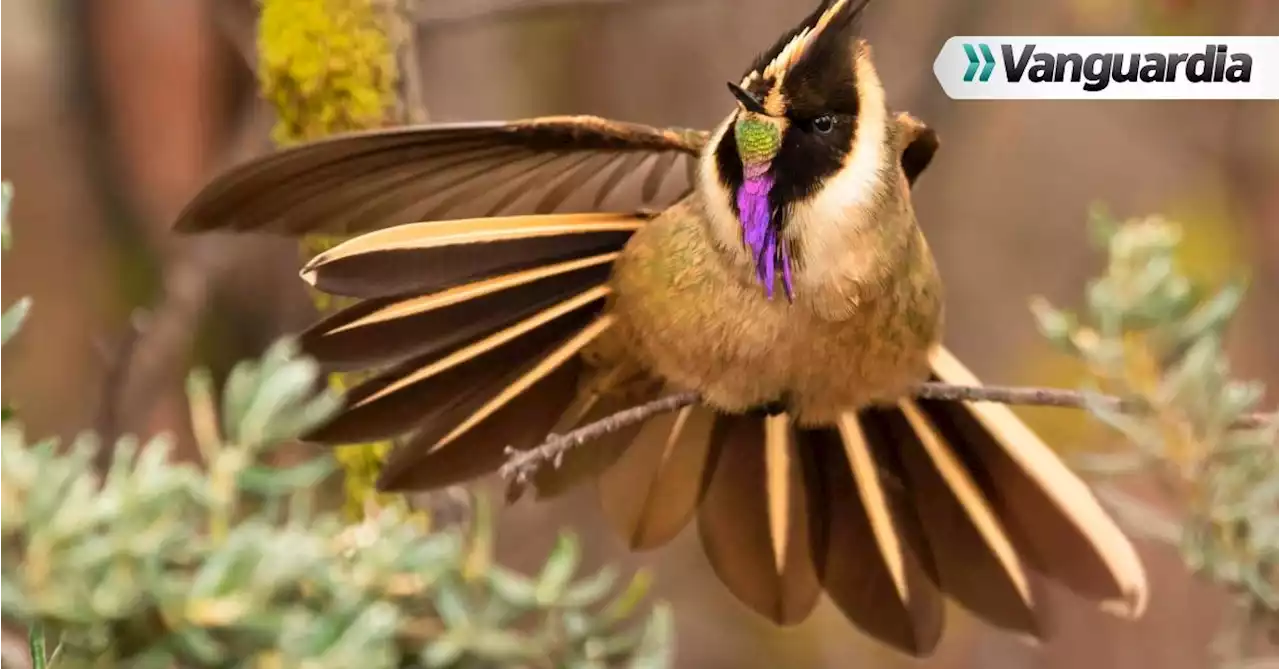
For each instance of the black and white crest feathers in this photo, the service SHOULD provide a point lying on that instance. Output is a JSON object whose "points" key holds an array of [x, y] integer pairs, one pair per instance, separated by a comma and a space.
{"points": [[831, 24]]}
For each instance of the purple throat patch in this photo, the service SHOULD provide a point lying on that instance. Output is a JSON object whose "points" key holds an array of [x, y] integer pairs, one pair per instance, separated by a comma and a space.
{"points": [[759, 235]]}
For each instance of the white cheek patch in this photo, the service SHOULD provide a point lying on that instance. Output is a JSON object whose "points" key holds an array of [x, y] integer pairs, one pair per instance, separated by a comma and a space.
{"points": [[723, 223], [835, 213]]}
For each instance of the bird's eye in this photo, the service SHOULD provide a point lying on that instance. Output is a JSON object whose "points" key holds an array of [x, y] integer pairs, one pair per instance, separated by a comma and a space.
{"points": [[824, 123]]}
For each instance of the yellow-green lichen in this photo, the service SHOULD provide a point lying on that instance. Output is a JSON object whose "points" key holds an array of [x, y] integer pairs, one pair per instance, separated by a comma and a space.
{"points": [[326, 66]]}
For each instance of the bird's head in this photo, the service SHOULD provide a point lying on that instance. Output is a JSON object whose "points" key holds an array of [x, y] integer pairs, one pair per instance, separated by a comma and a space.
{"points": [[809, 139]]}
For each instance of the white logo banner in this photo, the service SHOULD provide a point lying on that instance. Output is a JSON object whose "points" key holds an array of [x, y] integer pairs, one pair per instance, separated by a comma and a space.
{"points": [[1113, 68]]}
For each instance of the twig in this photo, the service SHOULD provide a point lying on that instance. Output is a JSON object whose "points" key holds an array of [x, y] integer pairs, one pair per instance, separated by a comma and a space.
{"points": [[522, 465], [1050, 397], [439, 14], [189, 279], [119, 359], [412, 91]]}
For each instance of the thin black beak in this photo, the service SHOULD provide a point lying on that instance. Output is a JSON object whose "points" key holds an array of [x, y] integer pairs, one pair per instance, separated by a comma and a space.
{"points": [[751, 102]]}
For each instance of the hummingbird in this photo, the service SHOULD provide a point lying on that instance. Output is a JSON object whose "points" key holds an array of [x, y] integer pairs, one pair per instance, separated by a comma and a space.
{"points": [[518, 279]]}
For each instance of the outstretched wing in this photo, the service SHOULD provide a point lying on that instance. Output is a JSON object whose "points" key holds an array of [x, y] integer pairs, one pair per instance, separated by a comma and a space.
{"points": [[367, 181]]}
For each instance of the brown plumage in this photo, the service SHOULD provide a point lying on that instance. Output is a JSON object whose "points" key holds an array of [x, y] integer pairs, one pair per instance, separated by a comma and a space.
{"points": [[521, 278]]}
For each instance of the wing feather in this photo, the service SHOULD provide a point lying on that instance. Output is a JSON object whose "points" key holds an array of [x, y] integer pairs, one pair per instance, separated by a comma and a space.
{"points": [[473, 438], [425, 257], [379, 331], [624, 166], [297, 206], [572, 182], [365, 181], [419, 390], [521, 423]]}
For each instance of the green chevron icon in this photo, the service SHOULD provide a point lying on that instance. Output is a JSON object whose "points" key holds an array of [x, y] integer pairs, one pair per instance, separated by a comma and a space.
{"points": [[987, 58]]}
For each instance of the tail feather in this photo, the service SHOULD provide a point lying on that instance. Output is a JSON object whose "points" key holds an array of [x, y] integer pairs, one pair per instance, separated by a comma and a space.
{"points": [[762, 547], [426, 257], [652, 490], [1057, 523], [877, 569], [974, 557]]}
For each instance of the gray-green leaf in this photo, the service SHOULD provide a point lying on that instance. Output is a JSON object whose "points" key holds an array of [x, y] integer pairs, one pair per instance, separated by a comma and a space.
{"points": [[13, 319]]}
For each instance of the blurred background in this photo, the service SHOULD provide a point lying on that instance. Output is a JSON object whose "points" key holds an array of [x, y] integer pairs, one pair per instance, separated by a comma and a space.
{"points": [[116, 113]]}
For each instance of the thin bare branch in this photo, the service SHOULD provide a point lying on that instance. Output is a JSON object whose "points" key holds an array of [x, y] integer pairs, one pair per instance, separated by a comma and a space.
{"points": [[412, 91], [189, 278], [236, 20], [119, 360], [522, 465], [447, 13]]}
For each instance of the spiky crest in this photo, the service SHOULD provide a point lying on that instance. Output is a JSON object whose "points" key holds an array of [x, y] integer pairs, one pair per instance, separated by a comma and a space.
{"points": [[773, 65]]}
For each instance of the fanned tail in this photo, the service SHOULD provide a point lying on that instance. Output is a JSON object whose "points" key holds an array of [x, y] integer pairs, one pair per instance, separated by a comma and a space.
{"points": [[888, 511], [476, 329], [784, 514]]}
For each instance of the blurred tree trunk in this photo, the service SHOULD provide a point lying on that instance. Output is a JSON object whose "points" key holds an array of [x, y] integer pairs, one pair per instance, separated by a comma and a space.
{"points": [[172, 102]]}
